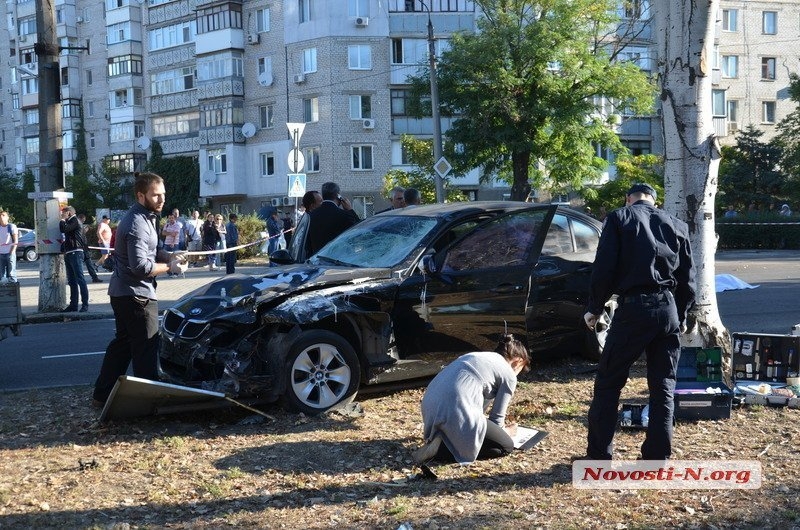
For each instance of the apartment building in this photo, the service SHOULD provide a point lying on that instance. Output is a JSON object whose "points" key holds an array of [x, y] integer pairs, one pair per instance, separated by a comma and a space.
{"points": [[756, 50], [220, 81]]}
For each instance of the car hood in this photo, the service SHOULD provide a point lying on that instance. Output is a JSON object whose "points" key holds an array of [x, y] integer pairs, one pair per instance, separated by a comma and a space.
{"points": [[246, 292]]}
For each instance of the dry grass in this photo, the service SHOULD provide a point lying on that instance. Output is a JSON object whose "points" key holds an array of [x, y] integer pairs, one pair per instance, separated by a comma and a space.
{"points": [[59, 468]]}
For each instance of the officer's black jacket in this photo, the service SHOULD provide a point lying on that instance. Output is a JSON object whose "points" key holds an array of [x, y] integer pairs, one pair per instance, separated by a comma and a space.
{"points": [[643, 249]]}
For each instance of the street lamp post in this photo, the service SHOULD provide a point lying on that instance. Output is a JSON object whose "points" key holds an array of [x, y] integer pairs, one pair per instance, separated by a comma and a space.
{"points": [[437, 123]]}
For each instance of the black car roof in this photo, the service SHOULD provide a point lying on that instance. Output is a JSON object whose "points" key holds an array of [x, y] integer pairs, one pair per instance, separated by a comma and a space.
{"points": [[454, 210]]}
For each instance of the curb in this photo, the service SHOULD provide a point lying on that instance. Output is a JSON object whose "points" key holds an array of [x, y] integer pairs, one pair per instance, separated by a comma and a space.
{"points": [[44, 318]]}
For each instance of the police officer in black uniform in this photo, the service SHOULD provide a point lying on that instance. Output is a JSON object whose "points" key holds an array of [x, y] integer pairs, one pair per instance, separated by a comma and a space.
{"points": [[644, 257]]}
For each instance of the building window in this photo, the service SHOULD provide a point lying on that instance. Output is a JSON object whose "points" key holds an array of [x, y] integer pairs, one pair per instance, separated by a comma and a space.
{"points": [[311, 155], [718, 102], [262, 20], [65, 76], [309, 60], [409, 51], [768, 68], [733, 111], [357, 8], [359, 57], [638, 147], [115, 4], [218, 17], [311, 110], [768, 112], [635, 9], [125, 132], [92, 144], [187, 123], [31, 116], [32, 145], [89, 77], [118, 32], [220, 66], [265, 66], [266, 115], [399, 101], [70, 109], [730, 19], [30, 86], [217, 161], [769, 22], [267, 164], [304, 10], [124, 65], [174, 35], [362, 157], [221, 113], [90, 109], [730, 66], [360, 107], [171, 81]]}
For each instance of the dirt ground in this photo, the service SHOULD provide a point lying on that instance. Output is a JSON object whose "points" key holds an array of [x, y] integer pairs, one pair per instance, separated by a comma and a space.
{"points": [[60, 468]]}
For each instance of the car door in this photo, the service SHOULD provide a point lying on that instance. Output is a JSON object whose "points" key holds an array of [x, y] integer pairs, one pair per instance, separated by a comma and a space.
{"points": [[478, 291], [560, 287]]}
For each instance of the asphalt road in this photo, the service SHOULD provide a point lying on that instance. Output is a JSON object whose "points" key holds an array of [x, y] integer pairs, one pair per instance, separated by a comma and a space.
{"points": [[69, 354]]}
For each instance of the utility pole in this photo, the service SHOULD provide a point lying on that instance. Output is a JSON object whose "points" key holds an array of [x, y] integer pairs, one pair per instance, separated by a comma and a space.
{"points": [[437, 122], [47, 201]]}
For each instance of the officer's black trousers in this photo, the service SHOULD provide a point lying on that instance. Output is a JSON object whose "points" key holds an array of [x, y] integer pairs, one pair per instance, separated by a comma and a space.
{"points": [[643, 323]]}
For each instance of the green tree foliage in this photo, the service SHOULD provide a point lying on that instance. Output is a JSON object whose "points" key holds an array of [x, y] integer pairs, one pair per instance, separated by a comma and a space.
{"points": [[523, 88], [181, 176], [630, 170], [749, 173], [420, 155], [14, 191], [788, 139]]}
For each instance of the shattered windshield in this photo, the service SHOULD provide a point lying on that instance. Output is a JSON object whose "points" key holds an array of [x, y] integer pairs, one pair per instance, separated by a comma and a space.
{"points": [[381, 241]]}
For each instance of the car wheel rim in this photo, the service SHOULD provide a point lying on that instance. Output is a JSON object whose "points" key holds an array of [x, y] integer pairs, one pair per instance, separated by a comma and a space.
{"points": [[320, 376]]}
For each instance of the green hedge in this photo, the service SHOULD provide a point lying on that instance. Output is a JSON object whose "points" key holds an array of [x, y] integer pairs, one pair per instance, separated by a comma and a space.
{"points": [[759, 232]]}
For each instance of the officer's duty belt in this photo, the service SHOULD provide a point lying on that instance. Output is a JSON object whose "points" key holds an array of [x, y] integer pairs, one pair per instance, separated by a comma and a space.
{"points": [[644, 298]]}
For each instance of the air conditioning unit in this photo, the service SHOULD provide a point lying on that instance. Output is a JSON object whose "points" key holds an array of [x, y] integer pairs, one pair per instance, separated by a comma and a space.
{"points": [[369, 124], [79, 20], [287, 201], [276, 201], [253, 38], [22, 38], [362, 22], [732, 127], [300, 78]]}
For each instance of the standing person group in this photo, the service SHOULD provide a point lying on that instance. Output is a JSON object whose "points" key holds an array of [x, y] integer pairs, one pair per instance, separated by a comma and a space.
{"points": [[643, 257], [9, 237], [132, 289], [332, 217], [211, 240]]}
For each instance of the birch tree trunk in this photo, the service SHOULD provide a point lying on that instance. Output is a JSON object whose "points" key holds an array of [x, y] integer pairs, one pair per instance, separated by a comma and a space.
{"points": [[686, 37]]}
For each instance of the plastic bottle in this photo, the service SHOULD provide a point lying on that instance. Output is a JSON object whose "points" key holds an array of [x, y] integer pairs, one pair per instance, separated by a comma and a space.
{"points": [[645, 415]]}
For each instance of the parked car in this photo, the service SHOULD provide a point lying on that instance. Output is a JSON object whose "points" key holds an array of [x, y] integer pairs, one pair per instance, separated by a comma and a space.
{"points": [[394, 298], [26, 246]]}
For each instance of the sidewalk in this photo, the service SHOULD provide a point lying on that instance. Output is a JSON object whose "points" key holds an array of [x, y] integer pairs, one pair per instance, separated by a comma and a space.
{"points": [[169, 291]]}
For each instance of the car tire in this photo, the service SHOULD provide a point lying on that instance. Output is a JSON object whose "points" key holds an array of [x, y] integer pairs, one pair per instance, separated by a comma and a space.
{"points": [[596, 338], [30, 254], [322, 372]]}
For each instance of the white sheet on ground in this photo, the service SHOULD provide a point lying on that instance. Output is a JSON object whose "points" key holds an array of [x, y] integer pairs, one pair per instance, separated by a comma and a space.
{"points": [[728, 282]]}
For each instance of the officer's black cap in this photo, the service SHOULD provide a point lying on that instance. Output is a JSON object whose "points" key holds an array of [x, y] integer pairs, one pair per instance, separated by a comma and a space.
{"points": [[641, 187]]}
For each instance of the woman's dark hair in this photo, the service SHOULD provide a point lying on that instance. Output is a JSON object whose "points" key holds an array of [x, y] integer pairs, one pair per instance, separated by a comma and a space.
{"points": [[510, 348]]}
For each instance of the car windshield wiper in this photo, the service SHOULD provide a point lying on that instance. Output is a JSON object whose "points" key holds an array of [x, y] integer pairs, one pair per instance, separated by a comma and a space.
{"points": [[335, 261]]}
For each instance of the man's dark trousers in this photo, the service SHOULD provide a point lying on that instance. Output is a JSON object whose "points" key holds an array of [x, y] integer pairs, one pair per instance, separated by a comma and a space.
{"points": [[136, 341], [73, 264], [643, 322]]}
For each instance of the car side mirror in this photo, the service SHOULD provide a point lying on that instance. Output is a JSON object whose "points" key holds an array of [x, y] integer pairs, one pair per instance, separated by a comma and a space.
{"points": [[428, 265], [281, 257]]}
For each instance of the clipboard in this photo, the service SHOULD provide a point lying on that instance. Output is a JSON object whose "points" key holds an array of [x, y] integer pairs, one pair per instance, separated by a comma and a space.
{"points": [[526, 438]]}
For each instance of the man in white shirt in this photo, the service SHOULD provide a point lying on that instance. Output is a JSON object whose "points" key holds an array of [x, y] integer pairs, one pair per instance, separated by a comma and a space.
{"points": [[194, 241], [9, 237]]}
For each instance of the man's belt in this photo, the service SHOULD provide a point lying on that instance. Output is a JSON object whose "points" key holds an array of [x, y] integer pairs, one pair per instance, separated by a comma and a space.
{"points": [[645, 298]]}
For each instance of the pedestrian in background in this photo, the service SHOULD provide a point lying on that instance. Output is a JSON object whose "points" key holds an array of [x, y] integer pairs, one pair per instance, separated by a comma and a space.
{"points": [[396, 198], [220, 221], [132, 289], [9, 237], [274, 229], [231, 241], [210, 240], [104, 239], [288, 225], [329, 219], [193, 236], [182, 236], [73, 246], [87, 254], [643, 257], [412, 197]]}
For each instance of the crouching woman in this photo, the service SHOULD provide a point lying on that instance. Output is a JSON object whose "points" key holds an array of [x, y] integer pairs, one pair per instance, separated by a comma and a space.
{"points": [[455, 426]]}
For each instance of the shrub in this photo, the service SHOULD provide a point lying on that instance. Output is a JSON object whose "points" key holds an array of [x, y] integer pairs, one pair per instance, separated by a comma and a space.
{"points": [[762, 231], [250, 229]]}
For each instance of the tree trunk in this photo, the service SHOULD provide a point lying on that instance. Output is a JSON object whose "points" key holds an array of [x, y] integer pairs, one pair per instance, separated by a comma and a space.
{"points": [[521, 165], [686, 36]]}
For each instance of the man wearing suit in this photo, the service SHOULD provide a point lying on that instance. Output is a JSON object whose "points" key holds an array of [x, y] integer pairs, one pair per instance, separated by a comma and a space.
{"points": [[329, 219]]}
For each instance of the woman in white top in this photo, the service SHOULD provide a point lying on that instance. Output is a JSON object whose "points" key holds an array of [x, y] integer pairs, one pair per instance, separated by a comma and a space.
{"points": [[455, 427]]}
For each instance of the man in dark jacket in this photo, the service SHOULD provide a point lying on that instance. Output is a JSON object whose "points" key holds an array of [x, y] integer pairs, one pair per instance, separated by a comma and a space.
{"points": [[74, 244], [329, 219], [231, 240], [645, 258]]}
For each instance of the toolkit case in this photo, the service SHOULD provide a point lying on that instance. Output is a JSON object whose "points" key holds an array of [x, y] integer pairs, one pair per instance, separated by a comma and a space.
{"points": [[700, 393], [762, 363]]}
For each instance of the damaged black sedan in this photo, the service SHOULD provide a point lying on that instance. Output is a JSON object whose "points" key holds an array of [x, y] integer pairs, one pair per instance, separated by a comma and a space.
{"points": [[392, 299]]}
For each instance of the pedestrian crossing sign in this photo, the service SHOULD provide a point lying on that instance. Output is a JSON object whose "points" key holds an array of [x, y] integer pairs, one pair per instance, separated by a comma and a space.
{"points": [[297, 184]]}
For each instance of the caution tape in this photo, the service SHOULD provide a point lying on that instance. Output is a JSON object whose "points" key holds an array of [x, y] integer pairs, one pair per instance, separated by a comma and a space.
{"points": [[759, 224]]}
